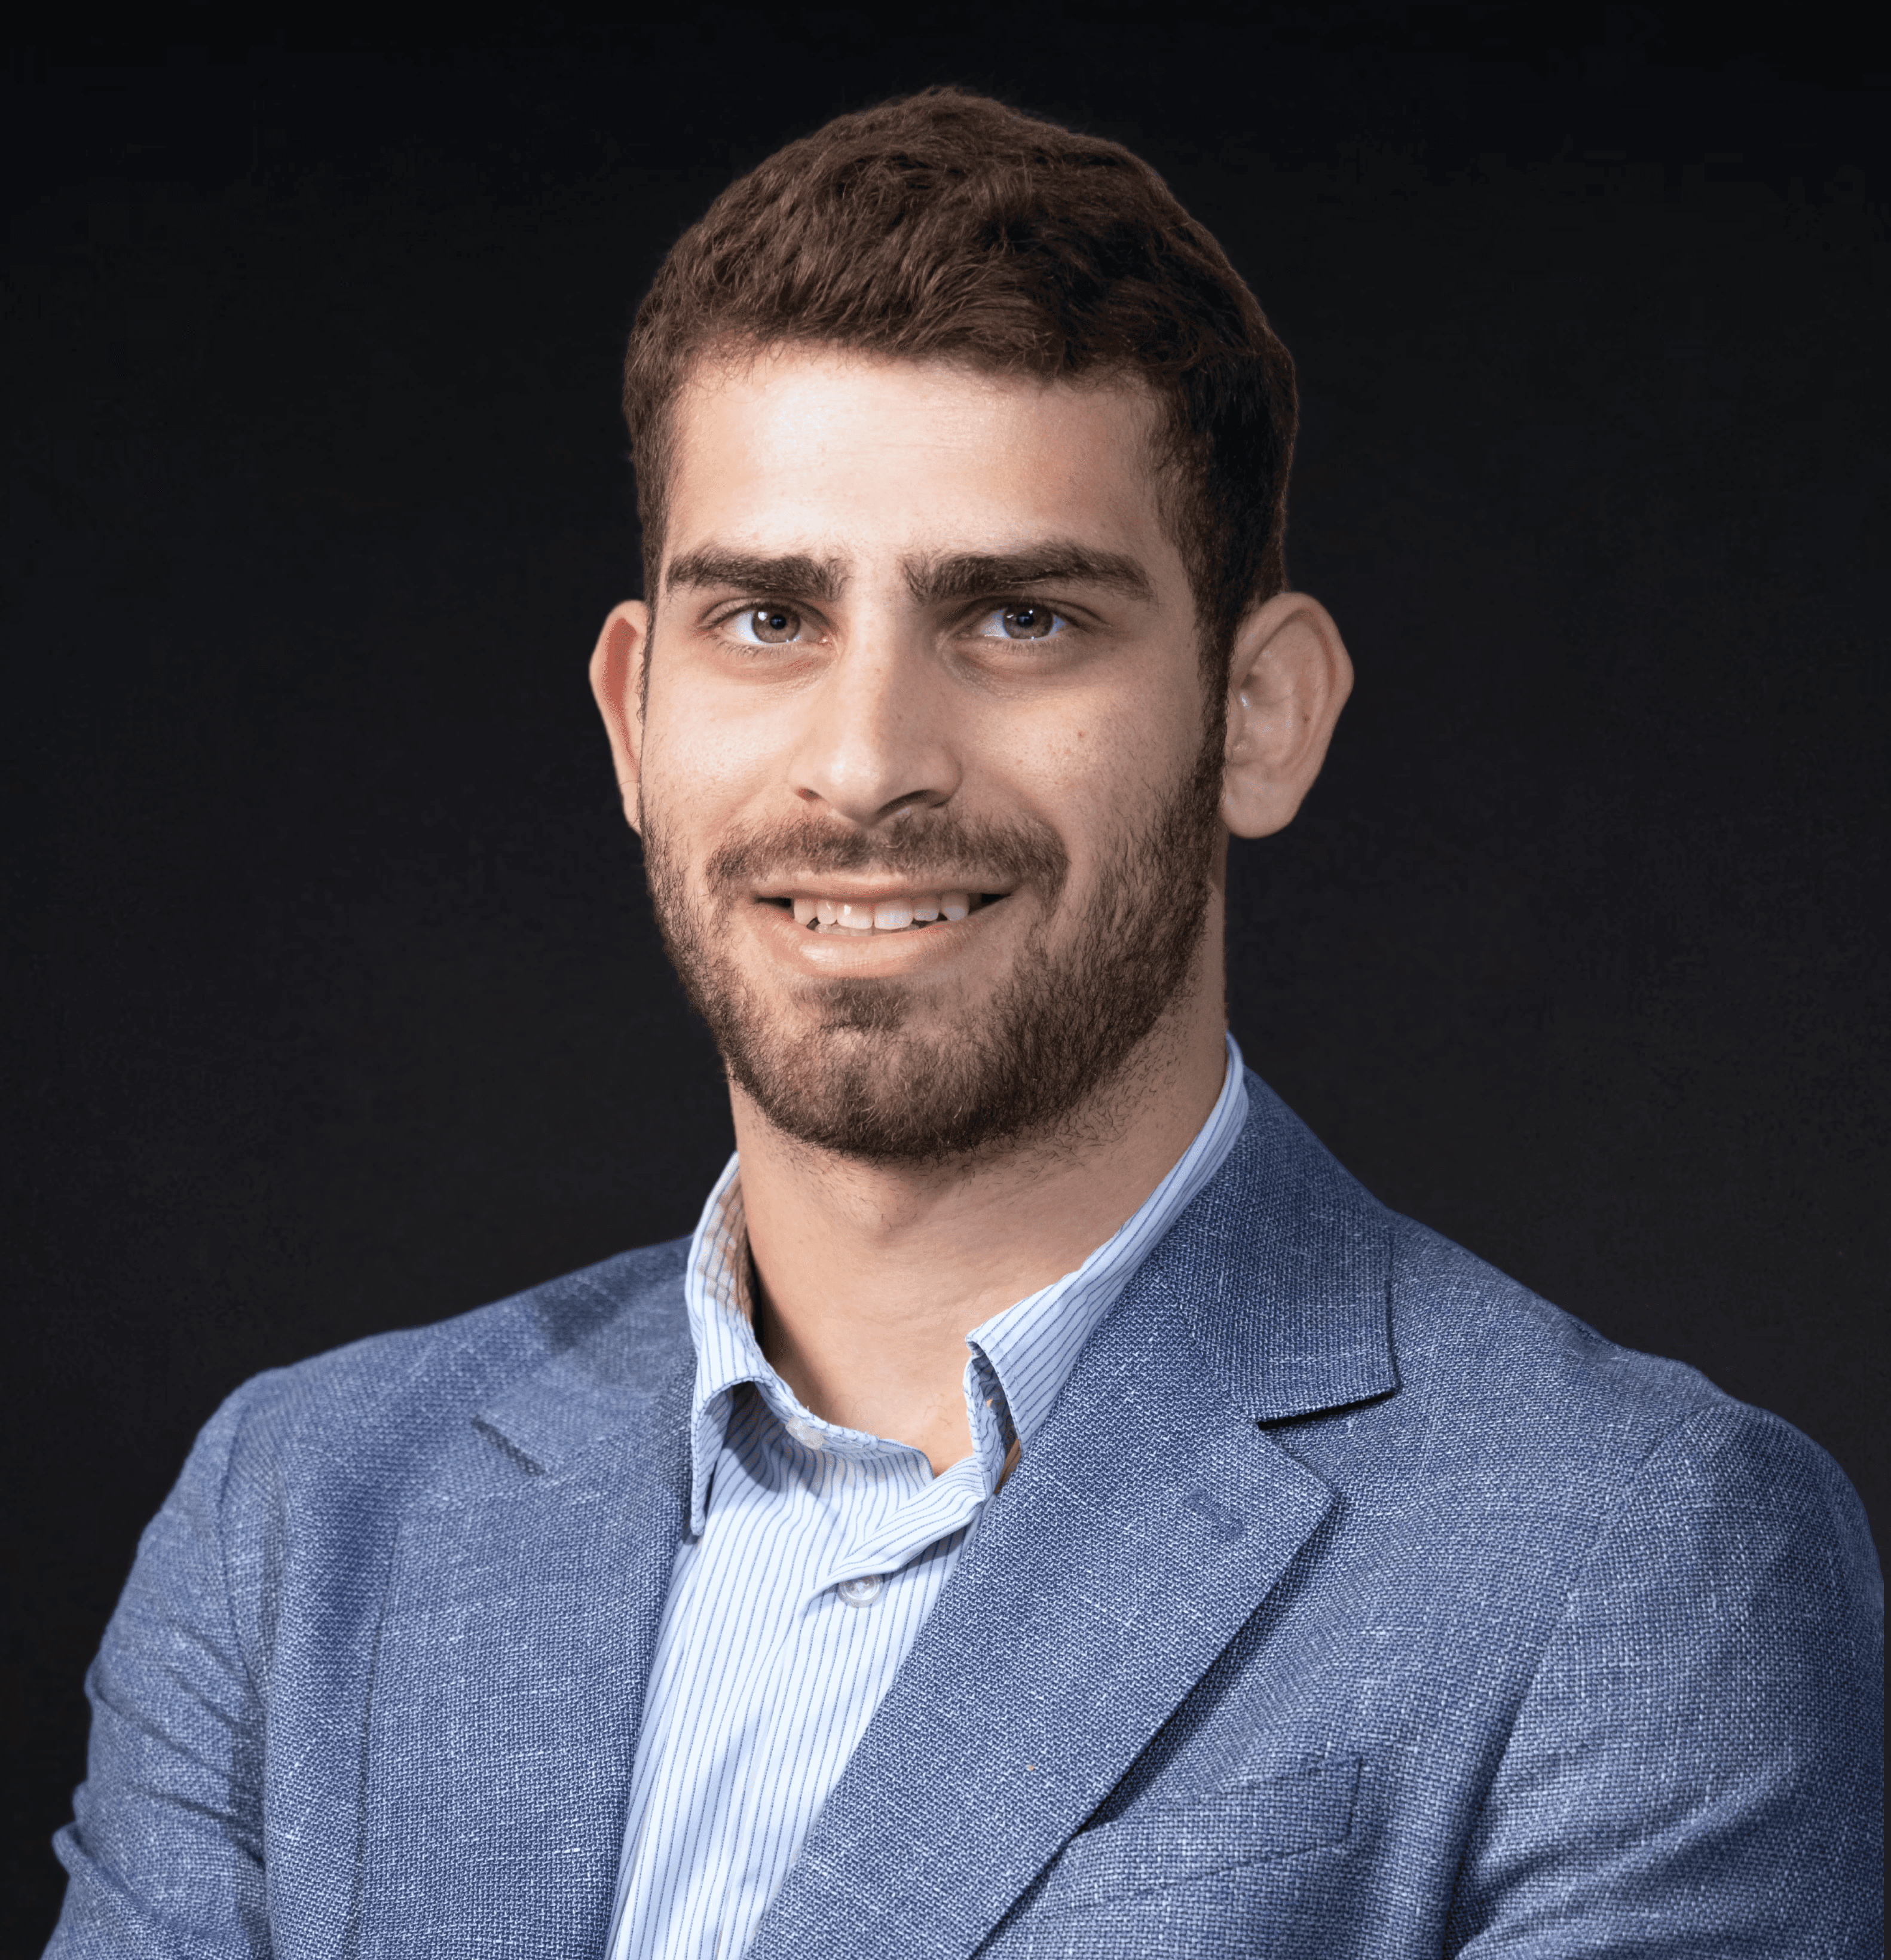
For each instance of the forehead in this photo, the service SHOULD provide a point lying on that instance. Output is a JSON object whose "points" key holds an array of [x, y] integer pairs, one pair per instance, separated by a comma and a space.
{"points": [[844, 455]]}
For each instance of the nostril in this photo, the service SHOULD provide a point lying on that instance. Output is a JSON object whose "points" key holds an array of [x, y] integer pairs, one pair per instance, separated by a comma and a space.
{"points": [[916, 799]]}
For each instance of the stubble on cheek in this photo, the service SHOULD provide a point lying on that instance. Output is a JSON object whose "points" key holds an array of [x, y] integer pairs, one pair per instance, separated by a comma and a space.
{"points": [[888, 1070]]}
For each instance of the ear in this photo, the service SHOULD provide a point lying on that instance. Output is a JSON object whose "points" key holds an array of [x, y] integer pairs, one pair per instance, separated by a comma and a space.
{"points": [[1287, 680], [617, 680]]}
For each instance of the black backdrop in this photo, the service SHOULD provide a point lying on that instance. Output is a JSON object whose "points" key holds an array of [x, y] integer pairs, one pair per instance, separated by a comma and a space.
{"points": [[334, 1005]]}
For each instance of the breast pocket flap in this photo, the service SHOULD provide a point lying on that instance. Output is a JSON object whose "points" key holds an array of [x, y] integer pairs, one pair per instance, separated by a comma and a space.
{"points": [[1248, 1823]]}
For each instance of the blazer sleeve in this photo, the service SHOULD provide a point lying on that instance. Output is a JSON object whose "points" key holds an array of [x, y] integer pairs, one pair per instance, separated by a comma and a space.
{"points": [[1697, 1768], [165, 1852]]}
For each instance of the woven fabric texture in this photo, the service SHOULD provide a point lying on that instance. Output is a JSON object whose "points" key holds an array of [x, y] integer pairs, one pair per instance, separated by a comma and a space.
{"points": [[1350, 1600], [816, 1555]]}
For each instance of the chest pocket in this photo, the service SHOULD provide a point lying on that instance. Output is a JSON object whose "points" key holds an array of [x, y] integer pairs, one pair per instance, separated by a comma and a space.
{"points": [[1240, 1824]]}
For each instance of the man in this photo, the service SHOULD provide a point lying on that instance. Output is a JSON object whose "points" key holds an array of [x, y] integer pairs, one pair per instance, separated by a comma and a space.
{"points": [[1047, 1508]]}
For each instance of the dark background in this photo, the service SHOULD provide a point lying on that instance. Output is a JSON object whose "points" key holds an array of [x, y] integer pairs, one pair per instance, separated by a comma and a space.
{"points": [[333, 1005]]}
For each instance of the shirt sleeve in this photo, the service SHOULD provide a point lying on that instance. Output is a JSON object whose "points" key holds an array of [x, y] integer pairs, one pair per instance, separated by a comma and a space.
{"points": [[164, 1853], [1697, 1769]]}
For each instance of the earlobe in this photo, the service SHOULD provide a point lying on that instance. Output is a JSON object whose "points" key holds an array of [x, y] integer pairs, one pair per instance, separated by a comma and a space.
{"points": [[617, 683], [1287, 680]]}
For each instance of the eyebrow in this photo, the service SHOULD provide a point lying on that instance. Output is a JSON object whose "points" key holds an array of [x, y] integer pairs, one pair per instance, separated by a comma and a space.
{"points": [[976, 574], [932, 581], [790, 575]]}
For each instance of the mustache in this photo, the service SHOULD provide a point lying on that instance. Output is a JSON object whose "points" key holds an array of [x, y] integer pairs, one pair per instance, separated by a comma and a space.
{"points": [[941, 850]]}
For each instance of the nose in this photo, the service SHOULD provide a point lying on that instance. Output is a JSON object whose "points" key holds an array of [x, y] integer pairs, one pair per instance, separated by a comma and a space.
{"points": [[877, 738]]}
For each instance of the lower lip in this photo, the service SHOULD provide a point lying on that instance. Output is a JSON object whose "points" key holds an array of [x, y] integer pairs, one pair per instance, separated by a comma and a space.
{"points": [[830, 953]]}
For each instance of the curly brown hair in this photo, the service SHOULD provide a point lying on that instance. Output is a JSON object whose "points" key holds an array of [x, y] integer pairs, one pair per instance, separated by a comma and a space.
{"points": [[947, 226]]}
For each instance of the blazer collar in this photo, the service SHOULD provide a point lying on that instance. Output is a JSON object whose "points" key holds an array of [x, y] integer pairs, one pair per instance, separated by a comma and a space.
{"points": [[516, 1639], [614, 1337], [1281, 1272], [1146, 1524]]}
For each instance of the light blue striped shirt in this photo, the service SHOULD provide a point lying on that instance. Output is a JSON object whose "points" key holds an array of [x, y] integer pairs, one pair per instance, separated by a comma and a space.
{"points": [[815, 1554]]}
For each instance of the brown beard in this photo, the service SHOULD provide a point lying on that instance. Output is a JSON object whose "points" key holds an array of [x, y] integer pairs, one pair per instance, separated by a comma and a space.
{"points": [[860, 1081]]}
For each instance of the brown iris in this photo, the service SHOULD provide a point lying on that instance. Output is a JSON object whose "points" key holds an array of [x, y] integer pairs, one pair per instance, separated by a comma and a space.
{"points": [[774, 625]]}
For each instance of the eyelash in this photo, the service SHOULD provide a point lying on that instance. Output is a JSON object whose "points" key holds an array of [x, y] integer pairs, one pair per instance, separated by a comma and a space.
{"points": [[1064, 623], [724, 622]]}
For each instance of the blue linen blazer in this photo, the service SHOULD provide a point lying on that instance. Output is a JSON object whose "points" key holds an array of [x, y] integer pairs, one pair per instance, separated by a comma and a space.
{"points": [[1352, 1601]]}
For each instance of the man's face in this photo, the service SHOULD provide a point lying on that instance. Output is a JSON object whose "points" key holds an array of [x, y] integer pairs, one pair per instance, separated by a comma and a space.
{"points": [[927, 780]]}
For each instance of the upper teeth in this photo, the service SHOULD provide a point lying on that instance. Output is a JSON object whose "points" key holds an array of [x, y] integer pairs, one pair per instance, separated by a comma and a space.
{"points": [[882, 914]]}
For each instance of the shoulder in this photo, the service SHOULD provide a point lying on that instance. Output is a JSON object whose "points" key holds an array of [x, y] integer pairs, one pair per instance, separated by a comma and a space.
{"points": [[1482, 1352], [1680, 1594], [1476, 1343], [1421, 1375], [1676, 1599], [1507, 1399], [398, 1400]]}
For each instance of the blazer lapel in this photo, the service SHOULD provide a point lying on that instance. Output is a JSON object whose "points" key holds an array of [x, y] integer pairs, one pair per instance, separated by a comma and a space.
{"points": [[1148, 1520], [520, 1628]]}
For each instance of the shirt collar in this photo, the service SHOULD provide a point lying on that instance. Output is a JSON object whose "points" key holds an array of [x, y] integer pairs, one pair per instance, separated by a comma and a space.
{"points": [[722, 1325], [1032, 1346], [1018, 1359]]}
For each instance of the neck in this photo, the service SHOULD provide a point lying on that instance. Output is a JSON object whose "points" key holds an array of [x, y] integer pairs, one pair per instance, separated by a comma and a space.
{"points": [[871, 1274]]}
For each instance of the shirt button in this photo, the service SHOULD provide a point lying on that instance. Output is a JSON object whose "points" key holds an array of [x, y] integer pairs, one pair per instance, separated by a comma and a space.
{"points": [[805, 1434], [861, 1592]]}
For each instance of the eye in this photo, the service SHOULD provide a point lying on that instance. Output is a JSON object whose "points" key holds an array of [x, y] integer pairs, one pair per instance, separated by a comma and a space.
{"points": [[1026, 621], [764, 626]]}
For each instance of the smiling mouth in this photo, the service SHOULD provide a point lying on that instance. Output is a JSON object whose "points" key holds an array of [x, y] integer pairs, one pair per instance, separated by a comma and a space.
{"points": [[913, 911]]}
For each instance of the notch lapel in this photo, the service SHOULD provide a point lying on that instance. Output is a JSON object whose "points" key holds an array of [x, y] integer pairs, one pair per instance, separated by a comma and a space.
{"points": [[511, 1662], [1147, 1521], [1144, 1526]]}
